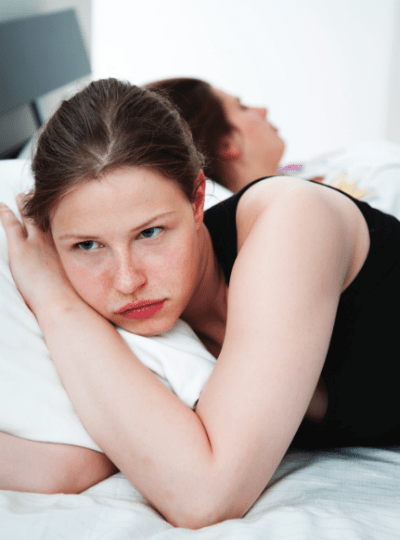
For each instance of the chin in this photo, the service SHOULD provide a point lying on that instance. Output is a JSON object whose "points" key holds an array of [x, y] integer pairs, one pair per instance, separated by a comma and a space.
{"points": [[147, 327]]}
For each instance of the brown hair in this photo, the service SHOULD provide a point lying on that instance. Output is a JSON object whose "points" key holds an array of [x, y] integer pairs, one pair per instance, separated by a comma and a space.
{"points": [[204, 112], [108, 125]]}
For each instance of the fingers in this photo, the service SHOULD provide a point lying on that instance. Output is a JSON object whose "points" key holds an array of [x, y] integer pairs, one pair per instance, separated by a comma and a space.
{"points": [[12, 226], [28, 224], [22, 198]]}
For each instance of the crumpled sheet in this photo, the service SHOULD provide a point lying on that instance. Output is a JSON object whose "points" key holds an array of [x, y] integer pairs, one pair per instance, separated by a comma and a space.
{"points": [[349, 494]]}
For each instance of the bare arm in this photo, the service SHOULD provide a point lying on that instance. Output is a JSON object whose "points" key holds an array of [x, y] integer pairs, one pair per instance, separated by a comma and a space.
{"points": [[40, 467], [200, 468], [294, 260]]}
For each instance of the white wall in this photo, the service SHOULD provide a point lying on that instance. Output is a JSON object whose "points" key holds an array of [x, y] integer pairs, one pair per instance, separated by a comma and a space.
{"points": [[393, 120], [322, 67]]}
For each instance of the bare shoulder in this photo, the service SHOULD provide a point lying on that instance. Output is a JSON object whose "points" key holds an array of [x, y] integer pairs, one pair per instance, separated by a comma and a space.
{"points": [[302, 204], [281, 189]]}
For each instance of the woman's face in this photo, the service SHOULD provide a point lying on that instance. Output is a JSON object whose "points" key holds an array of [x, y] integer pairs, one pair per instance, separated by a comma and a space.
{"points": [[129, 244], [259, 140]]}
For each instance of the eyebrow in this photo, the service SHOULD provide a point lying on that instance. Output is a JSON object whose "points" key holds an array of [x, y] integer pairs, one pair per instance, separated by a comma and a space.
{"points": [[141, 227]]}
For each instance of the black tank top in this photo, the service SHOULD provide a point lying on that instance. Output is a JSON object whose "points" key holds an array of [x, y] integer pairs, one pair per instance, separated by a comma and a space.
{"points": [[361, 367]]}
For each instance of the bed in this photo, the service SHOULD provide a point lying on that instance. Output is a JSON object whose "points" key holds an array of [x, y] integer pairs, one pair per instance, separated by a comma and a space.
{"points": [[351, 493]]}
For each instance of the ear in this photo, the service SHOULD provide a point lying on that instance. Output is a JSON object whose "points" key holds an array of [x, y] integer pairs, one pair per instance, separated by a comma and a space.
{"points": [[198, 204], [230, 146]]}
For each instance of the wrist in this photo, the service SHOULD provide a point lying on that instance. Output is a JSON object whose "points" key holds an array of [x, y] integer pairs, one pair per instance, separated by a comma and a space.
{"points": [[56, 303]]}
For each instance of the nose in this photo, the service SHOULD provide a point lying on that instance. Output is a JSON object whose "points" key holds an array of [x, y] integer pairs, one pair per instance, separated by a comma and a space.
{"points": [[128, 277], [262, 111]]}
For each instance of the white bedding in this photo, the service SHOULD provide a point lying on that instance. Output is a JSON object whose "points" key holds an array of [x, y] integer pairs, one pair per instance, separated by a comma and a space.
{"points": [[351, 494], [344, 495], [370, 171]]}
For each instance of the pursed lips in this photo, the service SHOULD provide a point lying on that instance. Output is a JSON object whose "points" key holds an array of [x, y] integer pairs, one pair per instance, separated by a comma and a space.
{"points": [[141, 310]]}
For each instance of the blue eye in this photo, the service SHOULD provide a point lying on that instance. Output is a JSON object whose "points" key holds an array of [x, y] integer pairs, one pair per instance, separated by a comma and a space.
{"points": [[88, 245], [152, 232]]}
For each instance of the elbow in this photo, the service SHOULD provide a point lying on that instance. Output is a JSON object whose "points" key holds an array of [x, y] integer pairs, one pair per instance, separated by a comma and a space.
{"points": [[200, 512], [200, 519], [193, 520]]}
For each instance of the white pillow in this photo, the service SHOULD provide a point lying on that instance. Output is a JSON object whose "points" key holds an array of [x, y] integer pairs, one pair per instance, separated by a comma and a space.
{"points": [[215, 193], [33, 402]]}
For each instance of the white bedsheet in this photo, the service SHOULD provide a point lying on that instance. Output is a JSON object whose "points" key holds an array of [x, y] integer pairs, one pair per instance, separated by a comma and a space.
{"points": [[351, 494], [370, 171]]}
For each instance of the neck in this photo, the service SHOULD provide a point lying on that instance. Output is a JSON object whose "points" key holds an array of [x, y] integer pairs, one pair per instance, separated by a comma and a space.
{"points": [[242, 173], [209, 298]]}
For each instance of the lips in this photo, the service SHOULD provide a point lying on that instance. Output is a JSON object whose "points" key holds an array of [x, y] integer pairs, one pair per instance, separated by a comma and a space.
{"points": [[141, 310]]}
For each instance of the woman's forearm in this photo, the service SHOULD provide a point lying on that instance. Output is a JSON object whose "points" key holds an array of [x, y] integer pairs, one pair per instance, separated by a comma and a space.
{"points": [[154, 439], [42, 467]]}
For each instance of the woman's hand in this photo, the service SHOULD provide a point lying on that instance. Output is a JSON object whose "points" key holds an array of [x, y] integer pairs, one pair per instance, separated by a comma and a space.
{"points": [[34, 262], [26, 465]]}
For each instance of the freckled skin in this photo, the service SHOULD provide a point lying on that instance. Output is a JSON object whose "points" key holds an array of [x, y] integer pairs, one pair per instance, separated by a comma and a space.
{"points": [[124, 265]]}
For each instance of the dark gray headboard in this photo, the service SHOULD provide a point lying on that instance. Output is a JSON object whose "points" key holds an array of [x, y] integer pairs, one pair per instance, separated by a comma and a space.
{"points": [[38, 55]]}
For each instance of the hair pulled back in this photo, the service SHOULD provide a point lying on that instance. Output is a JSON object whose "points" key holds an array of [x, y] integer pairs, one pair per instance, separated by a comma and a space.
{"points": [[204, 112], [108, 125]]}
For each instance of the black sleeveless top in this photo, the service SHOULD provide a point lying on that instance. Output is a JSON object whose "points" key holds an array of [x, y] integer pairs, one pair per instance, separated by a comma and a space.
{"points": [[361, 368]]}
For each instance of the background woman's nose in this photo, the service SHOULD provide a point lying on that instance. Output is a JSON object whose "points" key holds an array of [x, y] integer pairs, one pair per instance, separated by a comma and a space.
{"points": [[262, 111]]}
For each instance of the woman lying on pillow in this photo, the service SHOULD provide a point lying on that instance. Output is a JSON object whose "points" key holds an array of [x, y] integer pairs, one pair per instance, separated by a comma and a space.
{"points": [[241, 144], [239, 141], [291, 284]]}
